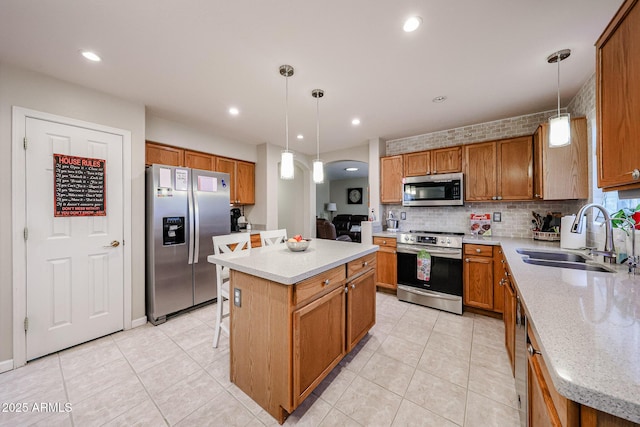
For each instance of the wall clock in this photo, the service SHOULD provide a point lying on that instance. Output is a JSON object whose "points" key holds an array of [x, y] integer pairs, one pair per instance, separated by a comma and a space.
{"points": [[354, 196]]}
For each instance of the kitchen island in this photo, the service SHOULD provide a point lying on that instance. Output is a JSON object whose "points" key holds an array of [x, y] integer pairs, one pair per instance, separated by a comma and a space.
{"points": [[295, 315]]}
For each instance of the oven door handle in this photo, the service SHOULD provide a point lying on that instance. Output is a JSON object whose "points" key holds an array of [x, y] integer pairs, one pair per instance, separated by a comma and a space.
{"points": [[453, 253], [428, 293]]}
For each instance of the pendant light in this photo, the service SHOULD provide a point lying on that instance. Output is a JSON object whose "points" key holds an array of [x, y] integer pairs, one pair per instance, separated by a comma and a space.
{"points": [[318, 168], [286, 159], [560, 124]]}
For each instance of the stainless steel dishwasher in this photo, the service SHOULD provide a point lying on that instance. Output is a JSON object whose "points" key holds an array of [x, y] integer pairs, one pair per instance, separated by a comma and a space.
{"points": [[521, 362]]}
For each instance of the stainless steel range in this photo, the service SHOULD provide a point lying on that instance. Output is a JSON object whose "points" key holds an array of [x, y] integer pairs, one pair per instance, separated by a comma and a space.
{"points": [[430, 269]]}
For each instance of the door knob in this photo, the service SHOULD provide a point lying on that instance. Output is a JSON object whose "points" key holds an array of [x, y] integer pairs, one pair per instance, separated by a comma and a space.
{"points": [[113, 244]]}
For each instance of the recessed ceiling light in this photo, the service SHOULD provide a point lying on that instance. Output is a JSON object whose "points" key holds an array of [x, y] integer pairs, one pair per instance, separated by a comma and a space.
{"points": [[439, 99], [91, 56], [412, 24], [234, 111], [355, 122], [351, 169], [300, 136]]}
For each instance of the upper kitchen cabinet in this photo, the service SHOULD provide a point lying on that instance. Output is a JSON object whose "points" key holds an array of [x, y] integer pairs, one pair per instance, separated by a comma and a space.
{"points": [[241, 180], [561, 173], [163, 155], [197, 160], [441, 160], [391, 179], [499, 170], [618, 100]]}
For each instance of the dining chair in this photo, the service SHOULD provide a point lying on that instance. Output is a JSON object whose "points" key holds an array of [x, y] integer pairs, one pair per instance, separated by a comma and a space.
{"points": [[225, 244], [273, 237]]}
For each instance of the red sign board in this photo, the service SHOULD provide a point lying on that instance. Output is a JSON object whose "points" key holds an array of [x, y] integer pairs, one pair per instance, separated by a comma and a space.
{"points": [[79, 186]]}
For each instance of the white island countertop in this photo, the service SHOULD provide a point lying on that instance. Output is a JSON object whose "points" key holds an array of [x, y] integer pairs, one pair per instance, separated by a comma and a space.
{"points": [[279, 264], [587, 325]]}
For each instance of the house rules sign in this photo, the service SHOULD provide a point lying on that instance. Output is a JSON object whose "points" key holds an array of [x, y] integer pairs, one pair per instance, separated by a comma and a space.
{"points": [[78, 186]]}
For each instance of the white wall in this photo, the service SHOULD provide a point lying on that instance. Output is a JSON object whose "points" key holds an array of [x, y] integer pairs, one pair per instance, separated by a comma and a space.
{"points": [[291, 205], [338, 195], [36, 91], [323, 196]]}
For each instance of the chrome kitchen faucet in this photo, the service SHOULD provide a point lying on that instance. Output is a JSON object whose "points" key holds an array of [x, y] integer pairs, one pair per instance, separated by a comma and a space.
{"points": [[609, 251]]}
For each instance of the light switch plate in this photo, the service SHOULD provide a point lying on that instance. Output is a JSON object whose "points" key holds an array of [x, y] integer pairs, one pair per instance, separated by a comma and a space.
{"points": [[403, 215], [497, 216]]}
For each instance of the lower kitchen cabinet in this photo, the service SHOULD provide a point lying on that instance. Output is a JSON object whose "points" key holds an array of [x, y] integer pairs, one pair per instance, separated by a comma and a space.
{"points": [[361, 307], [318, 341], [387, 263], [545, 406], [509, 317], [478, 276]]}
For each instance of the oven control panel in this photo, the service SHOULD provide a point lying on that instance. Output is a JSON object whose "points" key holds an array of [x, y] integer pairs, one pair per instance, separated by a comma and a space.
{"points": [[430, 240]]}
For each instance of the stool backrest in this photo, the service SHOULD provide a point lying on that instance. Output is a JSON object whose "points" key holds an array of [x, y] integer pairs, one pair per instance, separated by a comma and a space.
{"points": [[273, 237]]}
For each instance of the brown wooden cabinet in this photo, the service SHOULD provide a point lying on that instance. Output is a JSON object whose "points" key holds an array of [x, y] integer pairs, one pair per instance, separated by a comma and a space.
{"points": [[509, 317], [441, 160], [241, 180], [478, 276], [318, 341], [163, 155], [561, 173], [391, 173], [499, 170], [198, 160], [387, 263], [618, 100], [361, 307], [499, 273], [545, 406]]}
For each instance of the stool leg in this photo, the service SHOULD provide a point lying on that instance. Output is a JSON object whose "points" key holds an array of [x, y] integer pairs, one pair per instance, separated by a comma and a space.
{"points": [[219, 312]]}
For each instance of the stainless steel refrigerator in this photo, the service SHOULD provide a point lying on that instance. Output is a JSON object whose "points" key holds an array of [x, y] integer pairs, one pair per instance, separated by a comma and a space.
{"points": [[184, 209]]}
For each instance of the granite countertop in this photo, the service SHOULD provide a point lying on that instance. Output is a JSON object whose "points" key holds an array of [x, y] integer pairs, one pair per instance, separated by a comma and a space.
{"points": [[588, 327], [279, 264], [386, 234]]}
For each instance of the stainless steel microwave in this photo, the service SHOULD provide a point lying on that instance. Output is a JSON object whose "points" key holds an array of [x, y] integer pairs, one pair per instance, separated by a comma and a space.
{"points": [[433, 190]]}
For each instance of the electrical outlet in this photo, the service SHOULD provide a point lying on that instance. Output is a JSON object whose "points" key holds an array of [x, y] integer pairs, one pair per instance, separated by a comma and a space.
{"points": [[403, 215], [497, 216], [237, 297]]}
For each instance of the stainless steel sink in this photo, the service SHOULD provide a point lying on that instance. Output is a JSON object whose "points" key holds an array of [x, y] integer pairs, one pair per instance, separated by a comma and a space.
{"points": [[553, 255], [568, 264]]}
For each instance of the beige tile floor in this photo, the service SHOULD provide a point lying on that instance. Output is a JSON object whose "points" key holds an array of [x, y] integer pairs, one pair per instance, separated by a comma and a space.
{"points": [[417, 367]]}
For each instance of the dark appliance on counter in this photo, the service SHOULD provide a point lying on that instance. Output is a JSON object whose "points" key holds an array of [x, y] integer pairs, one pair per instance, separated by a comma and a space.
{"points": [[433, 190], [235, 214], [443, 289]]}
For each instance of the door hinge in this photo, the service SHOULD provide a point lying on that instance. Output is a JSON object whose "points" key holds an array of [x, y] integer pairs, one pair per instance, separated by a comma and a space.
{"points": [[26, 233], [24, 142], [26, 324]]}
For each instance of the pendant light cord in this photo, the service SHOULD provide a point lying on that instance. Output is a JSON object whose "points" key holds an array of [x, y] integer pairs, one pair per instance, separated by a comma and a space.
{"points": [[318, 127], [286, 109], [559, 83]]}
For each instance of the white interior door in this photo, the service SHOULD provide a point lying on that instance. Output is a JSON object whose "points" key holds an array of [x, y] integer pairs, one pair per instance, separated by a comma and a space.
{"points": [[75, 277]]}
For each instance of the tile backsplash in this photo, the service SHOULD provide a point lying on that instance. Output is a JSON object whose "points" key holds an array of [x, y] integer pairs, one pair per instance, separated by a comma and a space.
{"points": [[515, 221]]}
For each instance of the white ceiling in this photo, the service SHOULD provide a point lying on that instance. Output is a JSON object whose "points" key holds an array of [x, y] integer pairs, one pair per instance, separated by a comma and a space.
{"points": [[191, 60]]}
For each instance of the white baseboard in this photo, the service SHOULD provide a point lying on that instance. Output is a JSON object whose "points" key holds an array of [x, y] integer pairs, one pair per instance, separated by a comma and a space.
{"points": [[6, 365], [138, 322]]}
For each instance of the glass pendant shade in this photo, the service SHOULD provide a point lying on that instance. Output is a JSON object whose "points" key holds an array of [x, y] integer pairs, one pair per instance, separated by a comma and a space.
{"points": [[559, 130], [318, 171], [286, 165]]}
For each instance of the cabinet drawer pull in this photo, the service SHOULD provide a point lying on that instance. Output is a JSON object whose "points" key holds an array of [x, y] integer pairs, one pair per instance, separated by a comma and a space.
{"points": [[635, 174], [326, 282], [532, 351], [478, 250], [384, 242]]}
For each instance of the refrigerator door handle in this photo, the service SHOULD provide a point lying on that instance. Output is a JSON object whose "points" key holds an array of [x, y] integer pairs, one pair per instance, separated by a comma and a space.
{"points": [[191, 223], [196, 220]]}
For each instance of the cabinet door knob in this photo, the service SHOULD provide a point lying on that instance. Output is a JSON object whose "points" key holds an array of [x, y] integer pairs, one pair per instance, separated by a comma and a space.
{"points": [[494, 198], [499, 197], [502, 261], [326, 282], [346, 289], [435, 171], [537, 196], [532, 351], [501, 283], [364, 264], [635, 174], [384, 242], [478, 250], [353, 286], [466, 260]]}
